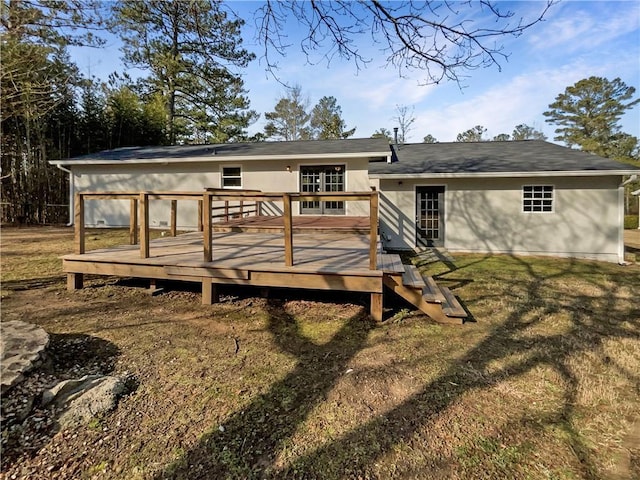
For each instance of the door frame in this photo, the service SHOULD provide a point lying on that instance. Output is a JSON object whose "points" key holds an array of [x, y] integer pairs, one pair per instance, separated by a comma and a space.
{"points": [[419, 241], [342, 164]]}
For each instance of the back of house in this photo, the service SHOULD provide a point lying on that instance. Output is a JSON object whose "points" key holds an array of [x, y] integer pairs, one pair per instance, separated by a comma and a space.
{"points": [[520, 197]]}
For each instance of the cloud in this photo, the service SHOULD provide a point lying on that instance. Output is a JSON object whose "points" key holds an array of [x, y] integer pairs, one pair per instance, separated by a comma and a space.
{"points": [[574, 29], [520, 100]]}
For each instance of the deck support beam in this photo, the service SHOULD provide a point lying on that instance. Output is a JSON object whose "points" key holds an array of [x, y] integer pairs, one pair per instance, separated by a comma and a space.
{"points": [[144, 225], [78, 221], [174, 217], [373, 230], [376, 306], [207, 234], [133, 221], [75, 281], [288, 230], [210, 293]]}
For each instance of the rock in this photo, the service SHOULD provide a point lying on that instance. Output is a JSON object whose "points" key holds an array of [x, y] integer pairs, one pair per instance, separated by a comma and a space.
{"points": [[84, 398], [22, 348]]}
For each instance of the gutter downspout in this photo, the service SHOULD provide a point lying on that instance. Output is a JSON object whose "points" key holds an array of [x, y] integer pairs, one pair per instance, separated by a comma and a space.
{"points": [[71, 193]]}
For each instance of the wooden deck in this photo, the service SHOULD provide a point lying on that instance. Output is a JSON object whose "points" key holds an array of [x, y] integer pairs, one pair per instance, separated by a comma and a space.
{"points": [[326, 253], [329, 261]]}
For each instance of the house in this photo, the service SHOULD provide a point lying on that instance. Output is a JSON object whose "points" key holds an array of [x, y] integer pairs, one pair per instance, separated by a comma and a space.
{"points": [[521, 197]]}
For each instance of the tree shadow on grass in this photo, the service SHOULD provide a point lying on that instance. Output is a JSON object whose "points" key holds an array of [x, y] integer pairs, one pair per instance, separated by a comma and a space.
{"points": [[252, 438], [246, 445]]}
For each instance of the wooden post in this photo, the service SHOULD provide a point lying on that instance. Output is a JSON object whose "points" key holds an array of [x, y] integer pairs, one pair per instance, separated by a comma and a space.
{"points": [[288, 230], [259, 208], [206, 232], [133, 221], [373, 234], [210, 293], [241, 208], [226, 211], [376, 306], [200, 215], [79, 223], [74, 281], [174, 217], [144, 225]]}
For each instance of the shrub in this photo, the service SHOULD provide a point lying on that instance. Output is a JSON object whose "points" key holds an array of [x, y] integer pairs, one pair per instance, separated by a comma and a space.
{"points": [[630, 221]]}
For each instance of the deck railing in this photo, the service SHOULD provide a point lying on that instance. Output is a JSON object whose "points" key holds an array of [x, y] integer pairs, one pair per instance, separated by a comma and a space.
{"points": [[139, 214]]}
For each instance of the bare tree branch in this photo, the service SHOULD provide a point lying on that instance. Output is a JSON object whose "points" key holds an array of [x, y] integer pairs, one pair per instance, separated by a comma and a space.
{"points": [[443, 39]]}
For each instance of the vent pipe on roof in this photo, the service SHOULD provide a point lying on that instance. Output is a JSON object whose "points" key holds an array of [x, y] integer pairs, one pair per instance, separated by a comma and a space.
{"points": [[395, 136]]}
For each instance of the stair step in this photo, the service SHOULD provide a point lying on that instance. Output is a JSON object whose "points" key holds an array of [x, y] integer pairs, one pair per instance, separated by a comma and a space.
{"points": [[390, 263], [412, 278], [451, 307], [431, 292]]}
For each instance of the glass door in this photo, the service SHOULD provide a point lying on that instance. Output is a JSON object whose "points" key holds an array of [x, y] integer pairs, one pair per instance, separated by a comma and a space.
{"points": [[430, 216], [325, 178]]}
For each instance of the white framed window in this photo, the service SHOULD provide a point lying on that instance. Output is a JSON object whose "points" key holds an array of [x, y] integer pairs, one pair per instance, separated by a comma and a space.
{"points": [[537, 198], [231, 177]]}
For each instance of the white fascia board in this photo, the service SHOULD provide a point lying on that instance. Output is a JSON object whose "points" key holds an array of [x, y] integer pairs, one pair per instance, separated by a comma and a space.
{"points": [[637, 192], [579, 173], [222, 158]]}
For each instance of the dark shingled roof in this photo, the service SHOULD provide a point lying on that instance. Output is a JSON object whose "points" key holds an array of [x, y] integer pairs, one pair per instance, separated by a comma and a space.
{"points": [[491, 157], [311, 147]]}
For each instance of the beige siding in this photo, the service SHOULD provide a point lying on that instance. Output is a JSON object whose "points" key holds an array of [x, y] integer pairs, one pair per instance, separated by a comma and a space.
{"points": [[485, 215], [267, 176]]}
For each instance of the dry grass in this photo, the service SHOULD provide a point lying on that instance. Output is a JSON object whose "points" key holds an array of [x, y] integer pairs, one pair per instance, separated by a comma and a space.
{"points": [[544, 385]]}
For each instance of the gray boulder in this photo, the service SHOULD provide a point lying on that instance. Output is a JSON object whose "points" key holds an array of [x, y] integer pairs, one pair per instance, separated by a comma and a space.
{"points": [[82, 399], [22, 347]]}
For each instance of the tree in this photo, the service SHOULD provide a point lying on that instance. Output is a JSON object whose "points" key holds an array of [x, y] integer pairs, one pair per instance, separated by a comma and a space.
{"points": [[92, 118], [405, 119], [37, 110], [289, 120], [429, 139], [588, 113], [383, 133], [472, 135], [189, 50], [443, 40], [326, 120], [501, 137], [525, 132]]}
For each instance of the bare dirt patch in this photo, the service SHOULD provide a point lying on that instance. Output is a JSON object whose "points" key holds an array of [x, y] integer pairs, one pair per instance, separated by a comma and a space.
{"points": [[544, 385]]}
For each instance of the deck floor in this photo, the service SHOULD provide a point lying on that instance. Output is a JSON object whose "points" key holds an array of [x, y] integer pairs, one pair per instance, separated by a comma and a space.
{"points": [[312, 252]]}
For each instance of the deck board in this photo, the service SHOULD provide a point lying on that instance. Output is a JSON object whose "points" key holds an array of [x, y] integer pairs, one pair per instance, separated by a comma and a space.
{"points": [[337, 253]]}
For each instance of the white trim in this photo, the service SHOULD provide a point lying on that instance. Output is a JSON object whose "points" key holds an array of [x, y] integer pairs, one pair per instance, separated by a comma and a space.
{"points": [[222, 177], [567, 173], [621, 225], [222, 158], [534, 212], [415, 211], [323, 164]]}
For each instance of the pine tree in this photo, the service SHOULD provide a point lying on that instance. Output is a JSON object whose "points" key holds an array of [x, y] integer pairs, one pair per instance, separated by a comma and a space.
{"points": [[189, 50], [289, 119], [588, 113], [327, 122]]}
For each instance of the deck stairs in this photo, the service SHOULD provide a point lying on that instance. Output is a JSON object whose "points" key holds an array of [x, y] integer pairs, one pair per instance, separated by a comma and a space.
{"points": [[436, 301]]}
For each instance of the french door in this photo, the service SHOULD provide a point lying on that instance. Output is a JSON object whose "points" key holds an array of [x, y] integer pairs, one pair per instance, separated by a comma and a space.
{"points": [[430, 216], [325, 178]]}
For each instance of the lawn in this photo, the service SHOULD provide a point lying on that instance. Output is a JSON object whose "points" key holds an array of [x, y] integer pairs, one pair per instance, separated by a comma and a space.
{"points": [[544, 384]]}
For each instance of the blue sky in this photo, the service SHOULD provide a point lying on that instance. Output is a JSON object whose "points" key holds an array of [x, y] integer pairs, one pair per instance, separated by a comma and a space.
{"points": [[578, 39]]}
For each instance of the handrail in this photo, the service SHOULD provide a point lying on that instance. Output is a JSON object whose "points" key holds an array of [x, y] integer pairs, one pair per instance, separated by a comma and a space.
{"points": [[139, 214]]}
